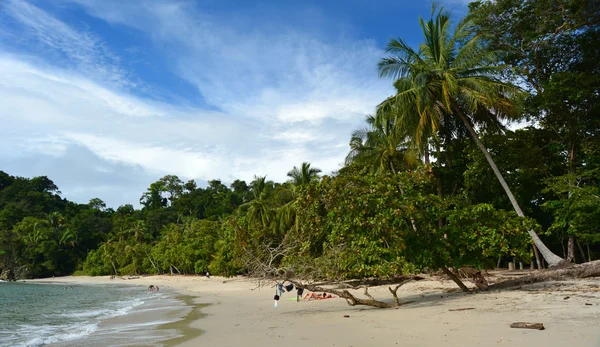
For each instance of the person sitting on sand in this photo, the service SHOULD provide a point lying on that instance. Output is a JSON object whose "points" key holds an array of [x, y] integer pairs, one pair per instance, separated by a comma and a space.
{"points": [[316, 296]]}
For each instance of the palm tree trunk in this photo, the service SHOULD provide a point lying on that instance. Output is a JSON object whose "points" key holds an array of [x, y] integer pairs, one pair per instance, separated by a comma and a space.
{"points": [[114, 267], [551, 258]]}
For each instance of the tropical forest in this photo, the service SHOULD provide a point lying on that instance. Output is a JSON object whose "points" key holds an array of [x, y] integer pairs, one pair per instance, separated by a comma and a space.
{"points": [[487, 155]]}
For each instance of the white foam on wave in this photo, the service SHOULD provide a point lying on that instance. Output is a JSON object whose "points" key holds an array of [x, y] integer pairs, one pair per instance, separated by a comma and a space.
{"points": [[89, 321], [130, 305], [49, 334], [115, 309]]}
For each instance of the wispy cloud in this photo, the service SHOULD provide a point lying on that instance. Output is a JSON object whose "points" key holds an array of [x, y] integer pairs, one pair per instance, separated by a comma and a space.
{"points": [[45, 34], [269, 71], [279, 96]]}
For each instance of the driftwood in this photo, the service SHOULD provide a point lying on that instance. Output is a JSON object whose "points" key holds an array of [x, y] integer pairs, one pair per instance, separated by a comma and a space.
{"points": [[591, 269], [352, 299], [455, 278], [461, 309], [264, 267], [524, 325]]}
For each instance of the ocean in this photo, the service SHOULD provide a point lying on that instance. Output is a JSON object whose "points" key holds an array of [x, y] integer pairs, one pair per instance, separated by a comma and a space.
{"points": [[34, 314]]}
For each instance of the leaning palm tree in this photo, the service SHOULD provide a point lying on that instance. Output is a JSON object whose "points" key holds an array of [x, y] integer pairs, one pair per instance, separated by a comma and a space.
{"points": [[453, 74], [303, 175]]}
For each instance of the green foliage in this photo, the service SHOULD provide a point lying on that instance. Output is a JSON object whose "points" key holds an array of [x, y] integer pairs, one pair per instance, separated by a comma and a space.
{"points": [[576, 209], [476, 235], [390, 210]]}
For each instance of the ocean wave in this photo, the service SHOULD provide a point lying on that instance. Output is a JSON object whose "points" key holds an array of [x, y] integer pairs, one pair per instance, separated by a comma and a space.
{"points": [[82, 315], [113, 309], [49, 334]]}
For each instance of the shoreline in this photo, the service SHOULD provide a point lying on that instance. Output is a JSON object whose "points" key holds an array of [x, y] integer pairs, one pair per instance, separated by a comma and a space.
{"points": [[237, 312]]}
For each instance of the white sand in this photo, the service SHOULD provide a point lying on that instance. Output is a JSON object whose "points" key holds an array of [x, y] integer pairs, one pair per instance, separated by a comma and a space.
{"points": [[241, 316]]}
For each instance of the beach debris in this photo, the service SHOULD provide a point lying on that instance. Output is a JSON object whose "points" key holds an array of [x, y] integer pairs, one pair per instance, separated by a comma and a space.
{"points": [[299, 292], [275, 299], [566, 298], [525, 325], [346, 316], [588, 304], [461, 309]]}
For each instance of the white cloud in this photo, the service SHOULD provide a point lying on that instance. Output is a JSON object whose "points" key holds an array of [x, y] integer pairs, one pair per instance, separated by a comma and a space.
{"points": [[51, 36], [282, 97]]}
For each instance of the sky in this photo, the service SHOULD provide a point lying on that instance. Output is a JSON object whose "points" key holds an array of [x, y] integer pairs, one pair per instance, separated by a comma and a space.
{"points": [[107, 96]]}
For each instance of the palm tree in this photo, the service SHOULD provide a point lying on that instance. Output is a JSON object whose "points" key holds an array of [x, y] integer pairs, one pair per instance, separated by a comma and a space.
{"points": [[37, 235], [382, 146], [303, 175], [108, 255], [259, 209], [67, 236], [453, 74], [138, 231]]}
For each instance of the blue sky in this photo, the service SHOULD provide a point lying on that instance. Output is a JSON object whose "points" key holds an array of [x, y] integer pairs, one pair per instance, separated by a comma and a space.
{"points": [[107, 96]]}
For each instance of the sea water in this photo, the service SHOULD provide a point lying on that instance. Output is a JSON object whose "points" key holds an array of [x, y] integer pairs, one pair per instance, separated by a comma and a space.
{"points": [[85, 315]]}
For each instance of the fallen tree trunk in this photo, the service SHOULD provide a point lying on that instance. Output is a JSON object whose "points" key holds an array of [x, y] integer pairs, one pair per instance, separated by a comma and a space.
{"points": [[591, 269], [455, 278], [352, 299]]}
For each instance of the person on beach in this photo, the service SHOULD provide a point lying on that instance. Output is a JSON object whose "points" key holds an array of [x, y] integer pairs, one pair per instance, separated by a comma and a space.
{"points": [[156, 288], [317, 296], [151, 288]]}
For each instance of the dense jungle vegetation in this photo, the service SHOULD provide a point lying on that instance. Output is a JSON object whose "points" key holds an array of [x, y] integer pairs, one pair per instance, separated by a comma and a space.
{"points": [[436, 178]]}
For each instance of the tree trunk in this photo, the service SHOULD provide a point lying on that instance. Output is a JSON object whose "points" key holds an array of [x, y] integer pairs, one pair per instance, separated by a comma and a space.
{"points": [[585, 270], [551, 258], [113, 265], [589, 253], [571, 249], [539, 262], [353, 300], [455, 279], [412, 220], [581, 251]]}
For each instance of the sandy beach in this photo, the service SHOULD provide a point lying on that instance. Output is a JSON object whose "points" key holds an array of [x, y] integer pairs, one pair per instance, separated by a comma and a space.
{"points": [[239, 313]]}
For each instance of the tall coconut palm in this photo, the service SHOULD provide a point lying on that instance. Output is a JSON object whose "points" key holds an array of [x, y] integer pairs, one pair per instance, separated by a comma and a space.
{"points": [[382, 146], [303, 175], [453, 74]]}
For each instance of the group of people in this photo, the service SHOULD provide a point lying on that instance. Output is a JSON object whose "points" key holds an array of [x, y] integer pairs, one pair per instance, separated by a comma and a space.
{"points": [[153, 288]]}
